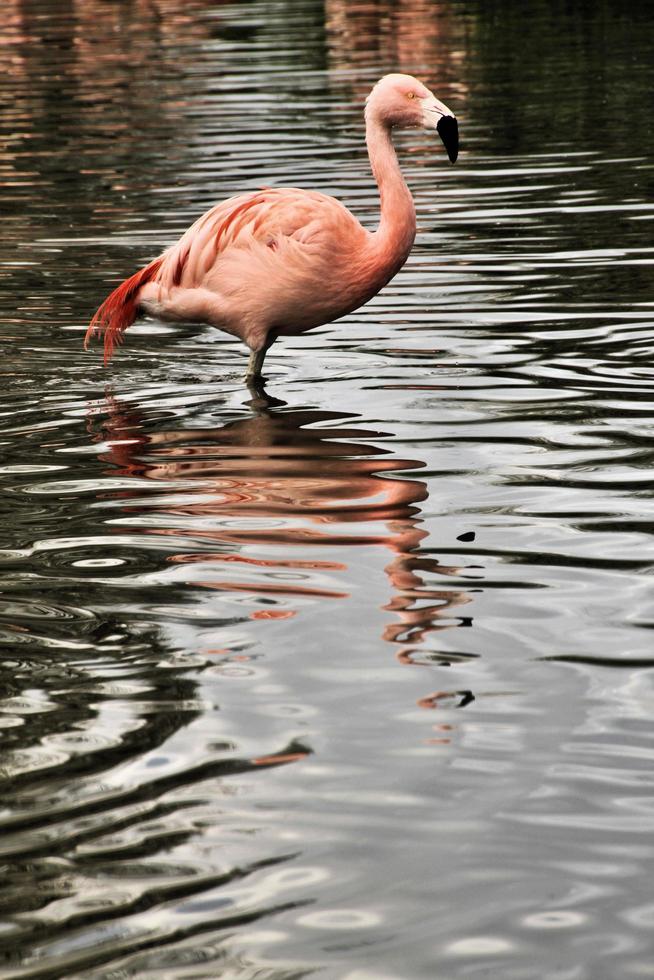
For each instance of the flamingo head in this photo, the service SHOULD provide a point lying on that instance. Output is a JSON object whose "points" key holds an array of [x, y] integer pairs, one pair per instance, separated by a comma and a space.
{"points": [[401, 101]]}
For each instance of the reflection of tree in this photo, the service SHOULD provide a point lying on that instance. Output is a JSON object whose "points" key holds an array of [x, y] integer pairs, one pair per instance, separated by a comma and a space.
{"points": [[395, 35], [306, 486], [95, 121], [86, 97]]}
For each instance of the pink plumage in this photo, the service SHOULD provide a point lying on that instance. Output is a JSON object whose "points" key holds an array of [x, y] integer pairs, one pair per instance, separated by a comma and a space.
{"points": [[120, 309], [280, 261]]}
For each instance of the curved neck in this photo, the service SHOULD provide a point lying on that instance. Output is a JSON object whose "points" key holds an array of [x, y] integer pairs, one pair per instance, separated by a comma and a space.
{"points": [[397, 228]]}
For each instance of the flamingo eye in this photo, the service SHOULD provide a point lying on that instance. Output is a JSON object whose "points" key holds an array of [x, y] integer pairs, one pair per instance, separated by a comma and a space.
{"points": [[411, 95]]}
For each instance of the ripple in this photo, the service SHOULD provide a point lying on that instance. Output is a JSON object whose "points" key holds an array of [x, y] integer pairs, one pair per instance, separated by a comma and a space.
{"points": [[215, 758], [563, 919], [339, 919], [473, 946]]}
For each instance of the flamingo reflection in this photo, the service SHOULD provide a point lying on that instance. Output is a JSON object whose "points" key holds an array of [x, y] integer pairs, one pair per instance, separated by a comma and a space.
{"points": [[255, 490]]}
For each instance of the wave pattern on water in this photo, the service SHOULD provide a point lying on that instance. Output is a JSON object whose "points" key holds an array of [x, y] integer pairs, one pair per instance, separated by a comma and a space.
{"points": [[355, 678]]}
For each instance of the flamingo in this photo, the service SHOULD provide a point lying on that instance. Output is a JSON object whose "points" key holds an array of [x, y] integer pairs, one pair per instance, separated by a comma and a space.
{"points": [[280, 261]]}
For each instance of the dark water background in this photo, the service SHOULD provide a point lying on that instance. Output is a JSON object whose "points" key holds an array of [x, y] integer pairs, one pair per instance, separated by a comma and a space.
{"points": [[359, 685]]}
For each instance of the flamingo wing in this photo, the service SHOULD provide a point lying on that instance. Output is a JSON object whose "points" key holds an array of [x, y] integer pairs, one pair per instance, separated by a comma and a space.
{"points": [[271, 217]]}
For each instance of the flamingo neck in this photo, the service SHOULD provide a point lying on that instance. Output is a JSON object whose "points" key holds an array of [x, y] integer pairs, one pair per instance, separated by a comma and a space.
{"points": [[397, 228]]}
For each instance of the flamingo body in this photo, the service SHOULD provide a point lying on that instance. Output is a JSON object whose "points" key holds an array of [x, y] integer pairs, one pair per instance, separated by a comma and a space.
{"points": [[280, 261]]}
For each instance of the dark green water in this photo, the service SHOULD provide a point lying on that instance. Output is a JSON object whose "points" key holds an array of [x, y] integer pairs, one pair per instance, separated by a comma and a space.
{"points": [[359, 685]]}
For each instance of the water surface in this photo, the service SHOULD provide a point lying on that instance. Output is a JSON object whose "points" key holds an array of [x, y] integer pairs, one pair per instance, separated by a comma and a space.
{"points": [[354, 681]]}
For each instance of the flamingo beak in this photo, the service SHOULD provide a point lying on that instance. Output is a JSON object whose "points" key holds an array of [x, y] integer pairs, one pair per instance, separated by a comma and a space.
{"points": [[448, 130], [436, 112]]}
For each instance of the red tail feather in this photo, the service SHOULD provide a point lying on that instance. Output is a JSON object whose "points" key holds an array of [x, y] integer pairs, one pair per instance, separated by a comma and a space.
{"points": [[119, 310]]}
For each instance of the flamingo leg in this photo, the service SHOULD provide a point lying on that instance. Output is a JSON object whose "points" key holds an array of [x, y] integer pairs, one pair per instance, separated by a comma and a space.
{"points": [[255, 364], [257, 358]]}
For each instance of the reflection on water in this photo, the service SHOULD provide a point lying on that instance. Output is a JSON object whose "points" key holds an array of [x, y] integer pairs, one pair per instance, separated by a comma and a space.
{"points": [[261, 487], [354, 681], [412, 37], [123, 727]]}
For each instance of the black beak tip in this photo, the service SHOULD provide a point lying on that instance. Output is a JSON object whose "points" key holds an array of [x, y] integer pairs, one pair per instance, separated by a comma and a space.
{"points": [[448, 130]]}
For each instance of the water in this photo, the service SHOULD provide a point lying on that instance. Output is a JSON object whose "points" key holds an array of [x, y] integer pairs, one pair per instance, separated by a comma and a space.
{"points": [[355, 682]]}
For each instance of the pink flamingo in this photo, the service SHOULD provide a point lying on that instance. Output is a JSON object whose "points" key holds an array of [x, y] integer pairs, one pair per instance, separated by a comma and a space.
{"points": [[279, 261]]}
